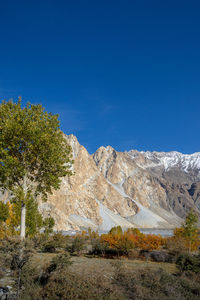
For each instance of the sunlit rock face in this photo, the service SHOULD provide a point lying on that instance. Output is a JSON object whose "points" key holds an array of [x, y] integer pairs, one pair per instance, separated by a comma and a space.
{"points": [[131, 189], [82, 198]]}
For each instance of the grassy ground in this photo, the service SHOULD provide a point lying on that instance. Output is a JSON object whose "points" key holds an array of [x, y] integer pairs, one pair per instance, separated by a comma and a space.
{"points": [[87, 265], [118, 279], [103, 279]]}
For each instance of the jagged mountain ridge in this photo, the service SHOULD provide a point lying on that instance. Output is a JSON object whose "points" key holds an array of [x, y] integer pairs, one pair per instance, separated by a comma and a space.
{"points": [[131, 189], [168, 160]]}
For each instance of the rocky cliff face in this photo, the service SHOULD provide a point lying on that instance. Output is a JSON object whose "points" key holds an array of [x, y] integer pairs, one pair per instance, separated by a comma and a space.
{"points": [[131, 189], [87, 199]]}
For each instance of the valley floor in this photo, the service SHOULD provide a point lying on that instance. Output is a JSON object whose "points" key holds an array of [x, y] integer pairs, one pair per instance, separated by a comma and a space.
{"points": [[111, 278]]}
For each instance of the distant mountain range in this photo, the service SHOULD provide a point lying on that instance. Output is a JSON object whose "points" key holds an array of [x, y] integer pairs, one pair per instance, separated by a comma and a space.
{"points": [[130, 189]]}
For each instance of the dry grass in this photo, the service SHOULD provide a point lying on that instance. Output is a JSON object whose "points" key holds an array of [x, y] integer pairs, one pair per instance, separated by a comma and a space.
{"points": [[85, 265]]}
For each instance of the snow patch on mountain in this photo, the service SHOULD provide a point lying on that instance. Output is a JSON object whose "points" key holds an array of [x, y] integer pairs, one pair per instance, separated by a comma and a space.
{"points": [[169, 160]]}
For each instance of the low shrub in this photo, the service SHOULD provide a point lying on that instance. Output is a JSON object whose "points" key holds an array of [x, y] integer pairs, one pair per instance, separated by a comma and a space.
{"points": [[59, 282], [176, 245], [156, 284], [158, 256], [133, 254], [60, 240], [98, 247], [49, 247], [66, 285], [59, 262], [188, 262], [40, 240], [9, 244], [78, 244], [54, 243]]}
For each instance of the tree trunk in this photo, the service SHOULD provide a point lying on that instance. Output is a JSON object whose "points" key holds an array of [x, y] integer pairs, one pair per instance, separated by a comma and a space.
{"points": [[23, 209], [23, 222]]}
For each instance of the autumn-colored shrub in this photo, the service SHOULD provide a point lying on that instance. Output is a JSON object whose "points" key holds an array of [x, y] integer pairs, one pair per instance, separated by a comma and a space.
{"points": [[132, 239], [7, 220], [150, 242], [121, 242]]}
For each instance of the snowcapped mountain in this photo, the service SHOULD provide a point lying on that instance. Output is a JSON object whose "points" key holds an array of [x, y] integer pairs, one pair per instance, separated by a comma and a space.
{"points": [[168, 160]]}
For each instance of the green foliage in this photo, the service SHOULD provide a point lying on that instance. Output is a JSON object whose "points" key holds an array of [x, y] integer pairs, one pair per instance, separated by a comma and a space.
{"points": [[54, 242], [48, 225], [31, 144], [188, 262], [34, 154], [189, 231], [61, 261], [34, 219], [60, 240], [4, 211], [49, 246], [39, 240], [190, 226], [116, 230], [134, 231], [98, 246], [78, 244]]}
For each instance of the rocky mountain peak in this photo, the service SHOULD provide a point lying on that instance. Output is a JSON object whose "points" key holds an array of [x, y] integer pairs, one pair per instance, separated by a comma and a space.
{"points": [[130, 189]]}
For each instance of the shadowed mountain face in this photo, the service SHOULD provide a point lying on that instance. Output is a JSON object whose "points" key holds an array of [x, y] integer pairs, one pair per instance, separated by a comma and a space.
{"points": [[178, 174], [130, 189]]}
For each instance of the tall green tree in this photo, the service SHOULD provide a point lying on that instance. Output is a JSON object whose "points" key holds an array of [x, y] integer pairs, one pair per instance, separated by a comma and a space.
{"points": [[34, 154], [190, 229]]}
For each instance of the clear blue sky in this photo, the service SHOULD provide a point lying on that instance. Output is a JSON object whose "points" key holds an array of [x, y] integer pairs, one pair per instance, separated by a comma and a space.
{"points": [[119, 73]]}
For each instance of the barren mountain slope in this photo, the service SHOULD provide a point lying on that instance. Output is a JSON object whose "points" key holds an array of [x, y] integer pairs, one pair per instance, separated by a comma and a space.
{"points": [[108, 189], [130, 189], [86, 199]]}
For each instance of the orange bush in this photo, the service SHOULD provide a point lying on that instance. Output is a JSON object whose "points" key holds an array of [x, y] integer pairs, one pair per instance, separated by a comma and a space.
{"points": [[133, 239], [150, 242]]}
